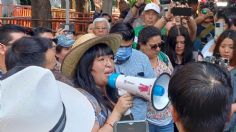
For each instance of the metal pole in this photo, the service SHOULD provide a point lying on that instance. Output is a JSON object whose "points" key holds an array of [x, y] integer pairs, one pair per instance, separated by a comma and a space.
{"points": [[67, 14]]}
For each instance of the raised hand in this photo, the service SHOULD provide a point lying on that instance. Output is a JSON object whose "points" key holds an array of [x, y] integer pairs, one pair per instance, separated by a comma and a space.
{"points": [[140, 2], [98, 5]]}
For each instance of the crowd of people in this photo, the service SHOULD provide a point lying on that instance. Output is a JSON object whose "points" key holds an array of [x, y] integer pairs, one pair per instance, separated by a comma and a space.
{"points": [[66, 75]]}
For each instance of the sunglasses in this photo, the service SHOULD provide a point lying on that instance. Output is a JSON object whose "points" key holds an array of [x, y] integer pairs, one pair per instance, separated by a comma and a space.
{"points": [[155, 46]]}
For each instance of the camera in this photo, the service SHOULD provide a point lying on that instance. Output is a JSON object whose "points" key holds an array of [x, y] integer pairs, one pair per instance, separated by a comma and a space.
{"points": [[217, 60]]}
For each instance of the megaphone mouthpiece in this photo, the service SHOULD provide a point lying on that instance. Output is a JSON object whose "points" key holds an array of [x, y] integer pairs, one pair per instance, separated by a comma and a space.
{"points": [[112, 80], [158, 90]]}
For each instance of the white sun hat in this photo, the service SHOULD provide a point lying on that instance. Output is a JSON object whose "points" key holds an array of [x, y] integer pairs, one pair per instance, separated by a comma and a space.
{"points": [[32, 100], [152, 6]]}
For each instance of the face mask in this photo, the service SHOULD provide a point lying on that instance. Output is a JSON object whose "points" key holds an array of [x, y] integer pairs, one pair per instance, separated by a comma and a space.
{"points": [[123, 54]]}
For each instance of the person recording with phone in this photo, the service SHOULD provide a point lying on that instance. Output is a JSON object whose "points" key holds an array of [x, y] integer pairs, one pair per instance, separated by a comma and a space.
{"points": [[205, 24], [222, 23], [226, 48]]}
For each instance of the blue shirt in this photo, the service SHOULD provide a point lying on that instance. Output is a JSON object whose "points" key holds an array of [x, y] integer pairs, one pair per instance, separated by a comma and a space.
{"points": [[137, 65]]}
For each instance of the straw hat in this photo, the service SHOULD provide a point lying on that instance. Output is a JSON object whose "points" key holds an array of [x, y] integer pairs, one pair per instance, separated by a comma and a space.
{"points": [[42, 104], [83, 38], [72, 58]]}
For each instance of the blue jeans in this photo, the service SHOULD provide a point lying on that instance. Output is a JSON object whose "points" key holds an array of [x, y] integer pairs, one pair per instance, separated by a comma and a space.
{"points": [[166, 128]]}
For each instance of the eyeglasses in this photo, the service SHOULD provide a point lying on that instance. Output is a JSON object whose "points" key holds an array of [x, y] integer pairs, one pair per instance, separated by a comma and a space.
{"points": [[103, 28], [155, 46]]}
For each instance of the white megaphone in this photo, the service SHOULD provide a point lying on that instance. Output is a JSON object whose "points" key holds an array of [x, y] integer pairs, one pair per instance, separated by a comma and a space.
{"points": [[154, 90]]}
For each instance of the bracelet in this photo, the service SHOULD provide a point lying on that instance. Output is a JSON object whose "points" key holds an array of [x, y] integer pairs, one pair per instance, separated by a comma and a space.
{"points": [[109, 124], [136, 6]]}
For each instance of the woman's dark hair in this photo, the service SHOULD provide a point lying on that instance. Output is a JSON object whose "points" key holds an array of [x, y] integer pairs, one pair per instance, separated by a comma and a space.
{"points": [[59, 49], [6, 30], [107, 15], [231, 34], [124, 13], [40, 30], [83, 77], [124, 29], [147, 33], [174, 32], [201, 95], [27, 51]]}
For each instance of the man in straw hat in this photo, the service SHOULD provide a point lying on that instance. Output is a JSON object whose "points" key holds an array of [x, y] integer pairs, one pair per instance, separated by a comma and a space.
{"points": [[89, 64], [42, 104]]}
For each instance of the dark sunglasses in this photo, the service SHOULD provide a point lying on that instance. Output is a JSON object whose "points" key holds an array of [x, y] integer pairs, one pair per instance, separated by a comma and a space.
{"points": [[155, 46]]}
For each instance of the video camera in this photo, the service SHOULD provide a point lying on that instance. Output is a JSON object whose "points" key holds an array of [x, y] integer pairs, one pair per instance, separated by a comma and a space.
{"points": [[217, 60]]}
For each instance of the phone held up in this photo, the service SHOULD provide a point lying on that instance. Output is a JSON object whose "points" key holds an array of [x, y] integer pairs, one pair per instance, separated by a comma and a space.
{"points": [[219, 28], [69, 29], [181, 11]]}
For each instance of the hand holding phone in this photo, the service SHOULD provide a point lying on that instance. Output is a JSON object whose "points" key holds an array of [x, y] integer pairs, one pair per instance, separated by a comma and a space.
{"points": [[181, 11], [219, 28], [67, 27]]}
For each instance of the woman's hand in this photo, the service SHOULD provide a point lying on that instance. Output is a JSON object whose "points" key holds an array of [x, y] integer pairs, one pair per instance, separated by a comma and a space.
{"points": [[169, 14], [123, 104], [60, 31]]}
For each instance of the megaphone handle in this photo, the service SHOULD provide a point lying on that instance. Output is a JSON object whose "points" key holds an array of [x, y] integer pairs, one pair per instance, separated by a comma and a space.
{"points": [[127, 112], [122, 92]]}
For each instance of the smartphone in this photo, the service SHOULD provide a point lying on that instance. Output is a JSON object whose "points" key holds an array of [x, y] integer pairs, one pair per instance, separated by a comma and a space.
{"points": [[67, 27], [181, 11], [162, 2], [131, 126], [219, 28]]}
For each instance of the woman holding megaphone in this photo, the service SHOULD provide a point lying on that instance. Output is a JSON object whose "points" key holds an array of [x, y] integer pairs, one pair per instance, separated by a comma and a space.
{"points": [[89, 64]]}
